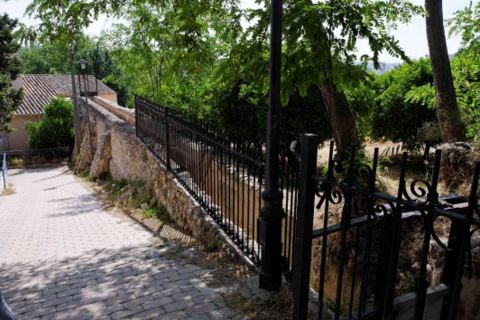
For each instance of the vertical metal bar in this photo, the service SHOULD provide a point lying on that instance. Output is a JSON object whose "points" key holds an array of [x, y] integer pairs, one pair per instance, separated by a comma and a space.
{"points": [[167, 140], [289, 233], [272, 215], [251, 228], [396, 239], [273, 118], [229, 192], [345, 222], [223, 185], [449, 309], [354, 272], [243, 202], [303, 253], [421, 290], [327, 195], [137, 107], [368, 238], [282, 187]]}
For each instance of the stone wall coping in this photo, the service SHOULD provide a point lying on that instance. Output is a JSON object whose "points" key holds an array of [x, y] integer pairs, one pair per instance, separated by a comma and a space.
{"points": [[126, 114]]}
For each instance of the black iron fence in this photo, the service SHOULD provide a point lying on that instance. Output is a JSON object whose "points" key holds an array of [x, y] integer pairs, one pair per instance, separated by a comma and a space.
{"points": [[223, 174], [222, 170], [362, 239]]}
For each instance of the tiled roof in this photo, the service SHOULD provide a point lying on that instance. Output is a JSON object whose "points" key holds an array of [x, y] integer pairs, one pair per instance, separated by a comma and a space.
{"points": [[40, 88]]}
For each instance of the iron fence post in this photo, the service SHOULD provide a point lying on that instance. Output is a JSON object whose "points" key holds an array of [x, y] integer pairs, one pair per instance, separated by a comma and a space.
{"points": [[167, 140], [271, 215], [455, 259], [306, 202], [455, 239]]}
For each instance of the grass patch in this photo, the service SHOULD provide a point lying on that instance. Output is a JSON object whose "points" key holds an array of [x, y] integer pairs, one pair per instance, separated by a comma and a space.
{"points": [[117, 185], [211, 247], [85, 175], [159, 213], [17, 162]]}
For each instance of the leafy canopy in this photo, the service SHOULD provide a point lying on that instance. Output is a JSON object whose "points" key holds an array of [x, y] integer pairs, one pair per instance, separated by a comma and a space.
{"points": [[10, 67], [319, 42]]}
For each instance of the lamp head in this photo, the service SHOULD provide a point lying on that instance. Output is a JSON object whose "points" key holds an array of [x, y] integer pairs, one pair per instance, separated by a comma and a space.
{"points": [[83, 64]]}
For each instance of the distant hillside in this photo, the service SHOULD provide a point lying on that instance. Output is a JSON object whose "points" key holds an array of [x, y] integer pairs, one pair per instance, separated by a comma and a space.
{"points": [[384, 67]]}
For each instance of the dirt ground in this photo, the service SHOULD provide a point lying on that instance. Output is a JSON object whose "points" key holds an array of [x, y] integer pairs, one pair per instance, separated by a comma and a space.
{"points": [[384, 148]]}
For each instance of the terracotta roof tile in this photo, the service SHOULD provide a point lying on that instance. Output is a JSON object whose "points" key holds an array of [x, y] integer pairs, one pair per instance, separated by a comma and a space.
{"points": [[40, 88]]}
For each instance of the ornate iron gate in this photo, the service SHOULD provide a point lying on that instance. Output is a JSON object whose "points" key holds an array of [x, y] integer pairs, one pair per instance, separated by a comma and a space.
{"points": [[359, 235]]}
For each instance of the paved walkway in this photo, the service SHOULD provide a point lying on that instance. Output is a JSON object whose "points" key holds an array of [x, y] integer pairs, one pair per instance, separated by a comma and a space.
{"points": [[63, 257]]}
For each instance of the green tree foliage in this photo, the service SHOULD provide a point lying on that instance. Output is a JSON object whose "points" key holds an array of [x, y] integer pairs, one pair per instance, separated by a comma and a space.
{"points": [[465, 69], [45, 59], [466, 66], [467, 23], [165, 55], [386, 109], [319, 45], [55, 129], [10, 67], [53, 58]]}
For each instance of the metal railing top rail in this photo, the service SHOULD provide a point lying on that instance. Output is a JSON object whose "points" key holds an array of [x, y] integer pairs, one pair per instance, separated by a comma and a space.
{"points": [[251, 150]]}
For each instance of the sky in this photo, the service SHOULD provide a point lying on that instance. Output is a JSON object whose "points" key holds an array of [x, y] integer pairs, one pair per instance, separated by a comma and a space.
{"points": [[412, 37]]}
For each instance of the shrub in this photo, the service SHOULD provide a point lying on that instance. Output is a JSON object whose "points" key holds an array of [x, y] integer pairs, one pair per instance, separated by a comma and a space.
{"points": [[55, 129]]}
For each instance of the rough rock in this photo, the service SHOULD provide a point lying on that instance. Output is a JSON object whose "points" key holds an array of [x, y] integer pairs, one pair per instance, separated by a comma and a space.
{"points": [[101, 162], [125, 195], [249, 289]]}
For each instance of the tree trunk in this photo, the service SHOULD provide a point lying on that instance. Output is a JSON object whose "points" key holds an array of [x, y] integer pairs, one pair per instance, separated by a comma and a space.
{"points": [[448, 114], [342, 117]]}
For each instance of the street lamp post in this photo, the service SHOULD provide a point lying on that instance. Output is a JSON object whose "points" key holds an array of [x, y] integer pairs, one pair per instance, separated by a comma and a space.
{"points": [[83, 66], [271, 215]]}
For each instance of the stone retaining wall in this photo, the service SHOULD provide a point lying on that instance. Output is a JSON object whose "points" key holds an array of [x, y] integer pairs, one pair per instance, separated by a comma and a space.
{"points": [[117, 150]]}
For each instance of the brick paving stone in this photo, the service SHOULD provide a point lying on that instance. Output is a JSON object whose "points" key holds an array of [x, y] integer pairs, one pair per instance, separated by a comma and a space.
{"points": [[149, 314], [175, 315], [64, 257], [199, 317], [165, 293], [60, 315], [201, 309], [57, 301], [132, 304], [204, 298], [180, 305], [182, 276], [126, 313], [190, 295], [157, 303], [39, 312]]}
